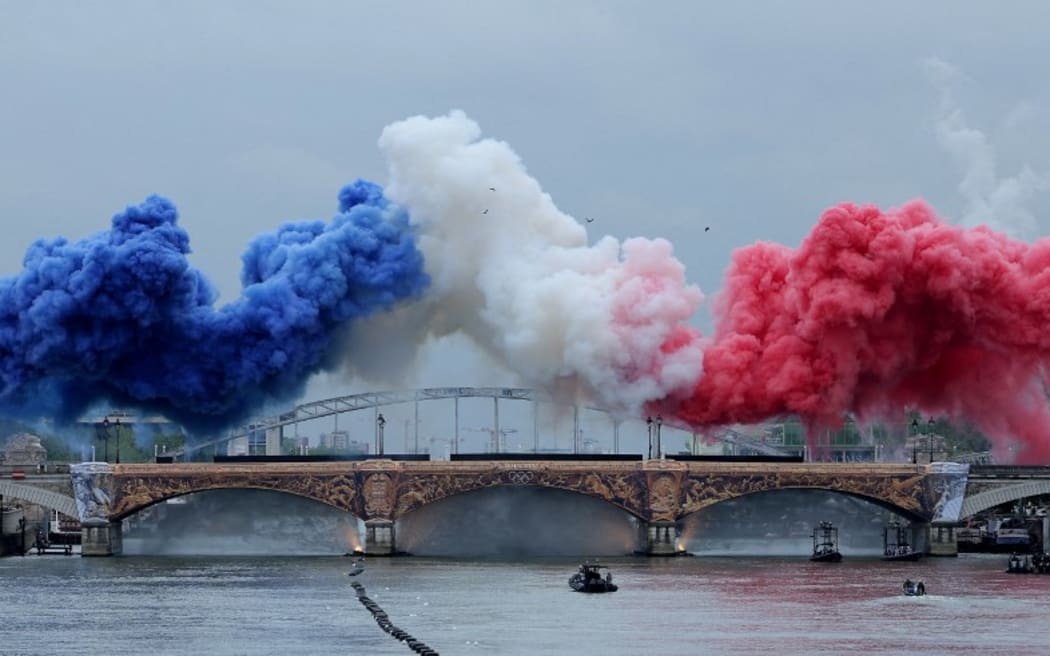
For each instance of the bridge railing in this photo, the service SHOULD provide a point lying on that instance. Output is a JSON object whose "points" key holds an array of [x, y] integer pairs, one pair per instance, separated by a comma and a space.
{"points": [[730, 436], [981, 458]]}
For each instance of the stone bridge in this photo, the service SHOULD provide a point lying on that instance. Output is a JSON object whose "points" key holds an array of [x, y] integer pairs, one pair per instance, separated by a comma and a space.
{"points": [[659, 493]]}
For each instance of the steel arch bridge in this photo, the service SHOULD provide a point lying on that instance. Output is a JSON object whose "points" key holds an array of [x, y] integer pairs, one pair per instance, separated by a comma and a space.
{"points": [[375, 400], [982, 501], [40, 497]]}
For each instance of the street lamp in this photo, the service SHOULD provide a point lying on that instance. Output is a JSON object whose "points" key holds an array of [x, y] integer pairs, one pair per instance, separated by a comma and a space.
{"points": [[929, 436], [914, 441], [659, 448], [380, 422], [105, 438], [117, 424], [649, 424]]}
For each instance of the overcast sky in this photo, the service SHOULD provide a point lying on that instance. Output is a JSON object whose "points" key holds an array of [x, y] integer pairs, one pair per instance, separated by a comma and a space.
{"points": [[657, 119]]}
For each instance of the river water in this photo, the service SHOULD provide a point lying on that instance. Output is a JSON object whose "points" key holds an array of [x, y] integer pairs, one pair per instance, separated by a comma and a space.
{"points": [[287, 606]]}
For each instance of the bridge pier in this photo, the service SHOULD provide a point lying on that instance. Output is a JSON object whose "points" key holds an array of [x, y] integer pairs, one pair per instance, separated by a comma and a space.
{"points": [[941, 539], [102, 539], [938, 538], [380, 538], [658, 539]]}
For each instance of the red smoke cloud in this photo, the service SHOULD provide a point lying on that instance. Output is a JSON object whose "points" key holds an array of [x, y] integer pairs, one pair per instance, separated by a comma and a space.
{"points": [[878, 311]]}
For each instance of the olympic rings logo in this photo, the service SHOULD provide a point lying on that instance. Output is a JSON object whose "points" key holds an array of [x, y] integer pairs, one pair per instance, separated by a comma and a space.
{"points": [[520, 477]]}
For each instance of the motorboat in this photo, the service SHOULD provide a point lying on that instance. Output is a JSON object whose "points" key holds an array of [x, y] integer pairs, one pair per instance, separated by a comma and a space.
{"points": [[1019, 564], [826, 544], [1012, 533], [1041, 563], [895, 545], [914, 588], [589, 578]]}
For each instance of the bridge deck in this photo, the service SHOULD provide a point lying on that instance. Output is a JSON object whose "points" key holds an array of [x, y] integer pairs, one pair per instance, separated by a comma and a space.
{"points": [[462, 466]]}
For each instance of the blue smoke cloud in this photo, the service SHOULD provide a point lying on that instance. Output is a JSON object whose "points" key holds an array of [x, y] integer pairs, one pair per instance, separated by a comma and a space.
{"points": [[121, 317]]}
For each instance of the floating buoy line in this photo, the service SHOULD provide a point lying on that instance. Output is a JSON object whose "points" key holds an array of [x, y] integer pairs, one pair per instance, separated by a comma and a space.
{"points": [[384, 623]]}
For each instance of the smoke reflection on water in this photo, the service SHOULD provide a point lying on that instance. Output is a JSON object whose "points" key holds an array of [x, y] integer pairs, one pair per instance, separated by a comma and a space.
{"points": [[517, 522], [780, 523], [242, 522]]}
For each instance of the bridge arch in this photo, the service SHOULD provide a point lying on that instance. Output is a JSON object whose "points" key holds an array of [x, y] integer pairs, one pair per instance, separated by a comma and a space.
{"points": [[409, 503], [138, 495], [899, 491], [909, 514], [988, 499], [40, 497], [621, 487], [520, 520], [374, 401]]}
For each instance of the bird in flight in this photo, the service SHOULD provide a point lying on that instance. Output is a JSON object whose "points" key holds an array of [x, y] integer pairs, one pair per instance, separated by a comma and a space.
{"points": [[485, 212], [492, 189], [590, 220], [707, 229]]}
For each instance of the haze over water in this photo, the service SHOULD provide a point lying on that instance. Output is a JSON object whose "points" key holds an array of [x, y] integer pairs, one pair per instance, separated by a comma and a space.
{"points": [[247, 606]]}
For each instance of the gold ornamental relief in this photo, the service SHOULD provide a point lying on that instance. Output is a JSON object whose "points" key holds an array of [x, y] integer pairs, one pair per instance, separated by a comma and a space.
{"points": [[663, 496], [379, 495]]}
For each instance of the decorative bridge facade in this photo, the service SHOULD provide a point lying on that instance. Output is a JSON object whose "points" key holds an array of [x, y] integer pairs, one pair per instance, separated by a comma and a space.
{"points": [[658, 493]]}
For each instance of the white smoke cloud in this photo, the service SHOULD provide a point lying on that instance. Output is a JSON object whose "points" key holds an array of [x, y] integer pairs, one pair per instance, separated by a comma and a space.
{"points": [[999, 203], [518, 277]]}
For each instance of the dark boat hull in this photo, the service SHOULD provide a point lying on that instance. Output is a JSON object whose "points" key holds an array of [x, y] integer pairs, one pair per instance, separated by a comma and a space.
{"points": [[834, 557], [611, 587], [595, 585], [915, 590]]}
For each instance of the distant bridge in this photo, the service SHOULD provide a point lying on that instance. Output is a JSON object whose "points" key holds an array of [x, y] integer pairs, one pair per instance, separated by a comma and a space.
{"points": [[996, 485], [374, 400]]}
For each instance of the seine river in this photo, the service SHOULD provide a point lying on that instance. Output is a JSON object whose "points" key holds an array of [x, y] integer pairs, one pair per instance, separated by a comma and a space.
{"points": [[284, 606]]}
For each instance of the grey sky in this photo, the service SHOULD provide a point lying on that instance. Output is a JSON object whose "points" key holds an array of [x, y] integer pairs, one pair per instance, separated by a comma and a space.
{"points": [[658, 119]]}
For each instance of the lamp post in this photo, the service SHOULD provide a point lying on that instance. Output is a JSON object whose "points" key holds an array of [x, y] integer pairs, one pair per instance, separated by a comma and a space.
{"points": [[105, 439], [380, 422], [117, 425], [659, 447], [914, 441], [929, 436], [649, 424]]}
